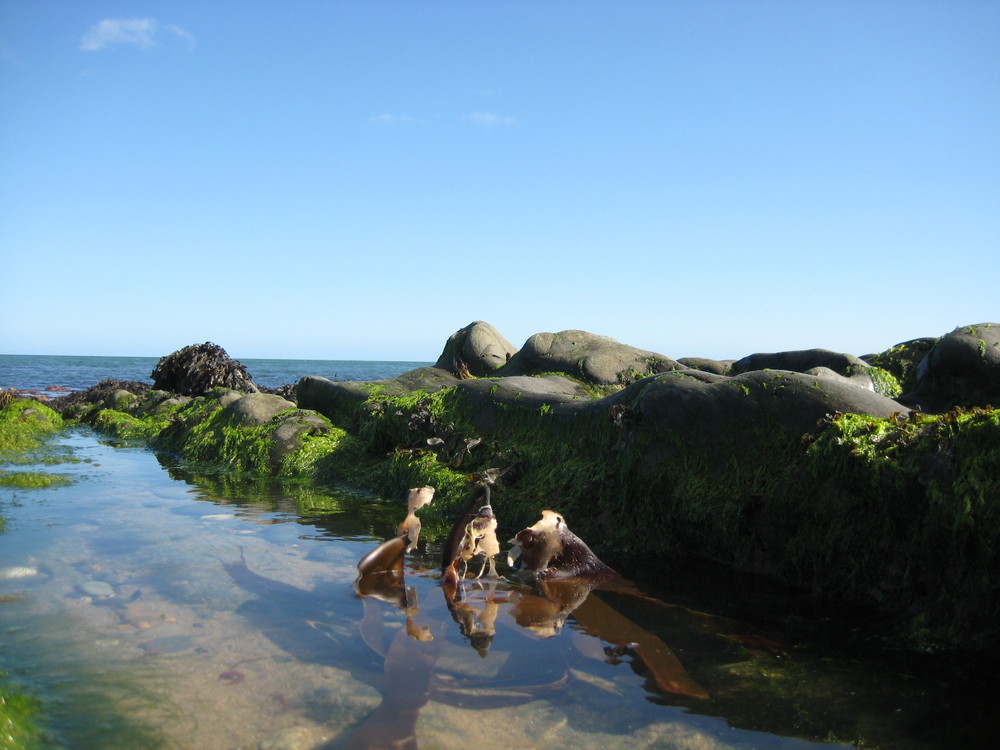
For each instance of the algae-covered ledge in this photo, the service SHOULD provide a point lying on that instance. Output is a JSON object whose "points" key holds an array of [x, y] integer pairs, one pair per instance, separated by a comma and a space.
{"points": [[868, 480]]}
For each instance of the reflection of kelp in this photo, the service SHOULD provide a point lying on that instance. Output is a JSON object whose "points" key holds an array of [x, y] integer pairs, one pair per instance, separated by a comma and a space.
{"points": [[494, 643], [411, 674], [311, 626]]}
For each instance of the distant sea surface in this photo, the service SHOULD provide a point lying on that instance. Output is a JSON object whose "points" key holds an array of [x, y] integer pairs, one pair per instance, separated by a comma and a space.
{"points": [[28, 372]]}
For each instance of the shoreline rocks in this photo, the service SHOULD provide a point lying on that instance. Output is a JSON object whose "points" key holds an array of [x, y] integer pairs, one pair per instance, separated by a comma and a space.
{"points": [[810, 467]]}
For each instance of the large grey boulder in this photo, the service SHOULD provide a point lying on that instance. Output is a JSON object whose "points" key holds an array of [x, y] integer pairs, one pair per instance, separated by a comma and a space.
{"points": [[962, 369], [819, 362], [716, 366], [599, 360], [478, 350], [254, 409], [702, 410], [801, 360]]}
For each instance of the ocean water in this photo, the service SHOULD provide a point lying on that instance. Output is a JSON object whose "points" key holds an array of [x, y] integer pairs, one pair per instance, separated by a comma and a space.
{"points": [[27, 372]]}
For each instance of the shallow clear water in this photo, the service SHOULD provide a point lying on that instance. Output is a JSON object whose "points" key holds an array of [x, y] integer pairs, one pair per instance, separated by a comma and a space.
{"points": [[148, 608]]}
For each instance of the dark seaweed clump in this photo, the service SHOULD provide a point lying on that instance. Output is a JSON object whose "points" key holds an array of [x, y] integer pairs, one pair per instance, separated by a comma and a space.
{"points": [[197, 369]]}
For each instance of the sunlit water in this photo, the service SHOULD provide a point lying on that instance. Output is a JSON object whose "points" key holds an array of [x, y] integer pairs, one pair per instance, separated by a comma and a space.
{"points": [[146, 609], [39, 372]]}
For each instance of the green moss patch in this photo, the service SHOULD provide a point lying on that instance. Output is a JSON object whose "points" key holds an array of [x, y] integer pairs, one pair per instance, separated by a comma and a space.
{"points": [[23, 424], [32, 479], [19, 718]]}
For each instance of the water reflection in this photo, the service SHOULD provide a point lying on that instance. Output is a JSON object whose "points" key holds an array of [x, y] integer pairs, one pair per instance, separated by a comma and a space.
{"points": [[510, 651], [179, 610]]}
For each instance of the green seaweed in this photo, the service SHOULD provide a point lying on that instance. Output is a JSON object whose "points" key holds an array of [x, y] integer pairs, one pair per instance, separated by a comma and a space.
{"points": [[23, 424], [20, 711], [32, 479]]}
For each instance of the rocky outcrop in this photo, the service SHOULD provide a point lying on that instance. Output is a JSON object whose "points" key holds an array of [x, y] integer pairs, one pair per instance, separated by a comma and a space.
{"points": [[599, 360], [197, 369], [822, 363], [788, 463], [476, 350]]}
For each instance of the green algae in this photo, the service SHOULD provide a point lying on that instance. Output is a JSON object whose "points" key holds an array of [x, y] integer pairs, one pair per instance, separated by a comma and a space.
{"points": [[19, 718], [23, 425], [32, 479]]}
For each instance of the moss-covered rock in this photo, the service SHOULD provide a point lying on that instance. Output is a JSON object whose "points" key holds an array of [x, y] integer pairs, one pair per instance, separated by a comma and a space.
{"points": [[961, 369], [23, 422]]}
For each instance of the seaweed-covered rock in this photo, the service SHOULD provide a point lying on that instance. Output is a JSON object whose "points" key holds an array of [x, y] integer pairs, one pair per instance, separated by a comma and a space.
{"points": [[477, 350], [338, 399], [961, 369], [99, 393], [902, 360], [599, 360], [197, 369], [702, 409], [254, 408]]}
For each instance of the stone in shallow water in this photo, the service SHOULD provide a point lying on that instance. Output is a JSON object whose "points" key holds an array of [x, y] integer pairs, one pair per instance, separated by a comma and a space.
{"points": [[19, 571], [97, 588]]}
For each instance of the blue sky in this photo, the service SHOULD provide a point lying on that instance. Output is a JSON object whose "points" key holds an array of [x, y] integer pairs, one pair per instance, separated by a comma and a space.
{"points": [[358, 180]]}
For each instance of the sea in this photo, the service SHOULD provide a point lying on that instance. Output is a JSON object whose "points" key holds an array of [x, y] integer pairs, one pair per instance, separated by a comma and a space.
{"points": [[54, 374]]}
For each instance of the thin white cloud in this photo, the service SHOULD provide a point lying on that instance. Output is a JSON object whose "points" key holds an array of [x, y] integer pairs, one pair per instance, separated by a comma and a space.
{"points": [[184, 34], [489, 119], [136, 32], [132, 32]]}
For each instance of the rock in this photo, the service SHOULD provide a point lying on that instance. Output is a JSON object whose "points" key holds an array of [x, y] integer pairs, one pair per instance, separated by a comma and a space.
{"points": [[487, 398], [599, 360], [99, 589], [709, 409], [120, 400], [801, 361], [718, 367], [479, 347], [255, 408], [18, 571], [961, 369], [98, 394], [195, 370], [902, 360], [338, 400], [289, 433]]}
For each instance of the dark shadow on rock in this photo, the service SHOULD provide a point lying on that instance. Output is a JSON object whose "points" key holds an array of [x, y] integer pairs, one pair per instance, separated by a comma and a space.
{"points": [[961, 369]]}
